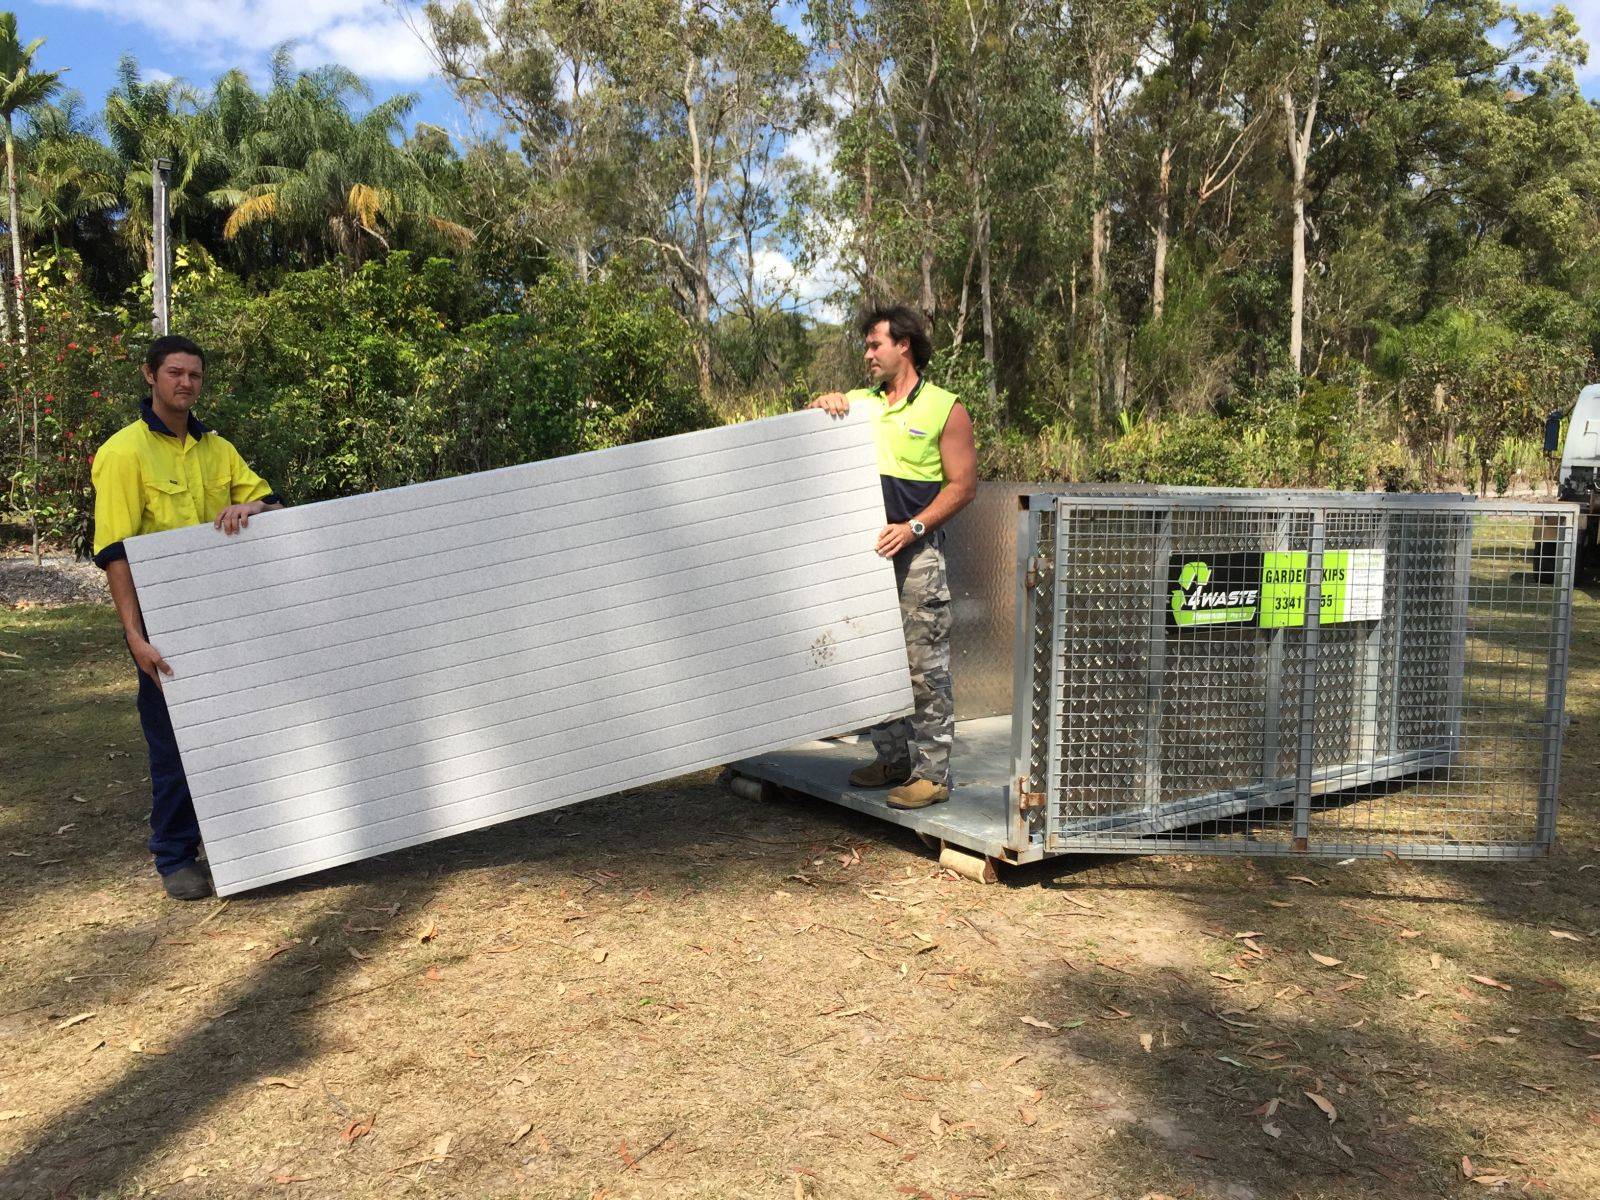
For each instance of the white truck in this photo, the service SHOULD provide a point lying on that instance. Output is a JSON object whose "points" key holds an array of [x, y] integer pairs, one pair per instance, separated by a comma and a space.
{"points": [[1578, 480]]}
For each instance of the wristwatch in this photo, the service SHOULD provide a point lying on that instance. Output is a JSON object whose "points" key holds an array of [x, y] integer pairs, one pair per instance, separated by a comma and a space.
{"points": [[918, 528]]}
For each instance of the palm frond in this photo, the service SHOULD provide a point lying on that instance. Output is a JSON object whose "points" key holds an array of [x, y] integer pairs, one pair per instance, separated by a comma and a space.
{"points": [[260, 207]]}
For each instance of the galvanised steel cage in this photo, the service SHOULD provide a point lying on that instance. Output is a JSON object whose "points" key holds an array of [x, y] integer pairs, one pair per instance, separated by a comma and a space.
{"points": [[1299, 673]]}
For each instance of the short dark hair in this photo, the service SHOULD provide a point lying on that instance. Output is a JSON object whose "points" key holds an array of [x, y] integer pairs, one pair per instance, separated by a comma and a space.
{"points": [[905, 325], [166, 346]]}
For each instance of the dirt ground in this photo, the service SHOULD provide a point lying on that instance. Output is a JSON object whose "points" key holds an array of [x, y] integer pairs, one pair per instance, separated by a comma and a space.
{"points": [[672, 992], [60, 579]]}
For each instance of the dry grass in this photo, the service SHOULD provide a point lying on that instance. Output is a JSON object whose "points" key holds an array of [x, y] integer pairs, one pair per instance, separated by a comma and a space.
{"points": [[671, 992]]}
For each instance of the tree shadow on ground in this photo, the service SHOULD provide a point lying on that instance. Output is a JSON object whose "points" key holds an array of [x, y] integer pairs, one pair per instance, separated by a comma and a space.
{"points": [[266, 1023], [1222, 1094], [263, 1026]]}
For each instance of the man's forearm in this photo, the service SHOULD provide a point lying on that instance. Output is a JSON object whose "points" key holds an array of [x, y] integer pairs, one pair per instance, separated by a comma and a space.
{"points": [[952, 498], [119, 576]]}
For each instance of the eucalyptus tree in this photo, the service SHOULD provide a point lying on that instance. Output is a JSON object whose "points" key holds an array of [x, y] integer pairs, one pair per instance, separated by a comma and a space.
{"points": [[544, 70]]}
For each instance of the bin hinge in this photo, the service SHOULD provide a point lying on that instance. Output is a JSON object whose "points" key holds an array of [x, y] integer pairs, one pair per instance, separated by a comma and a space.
{"points": [[1027, 801]]}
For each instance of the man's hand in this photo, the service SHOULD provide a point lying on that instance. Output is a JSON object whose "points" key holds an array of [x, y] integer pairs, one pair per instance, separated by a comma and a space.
{"points": [[893, 539], [834, 404], [149, 659], [237, 516]]}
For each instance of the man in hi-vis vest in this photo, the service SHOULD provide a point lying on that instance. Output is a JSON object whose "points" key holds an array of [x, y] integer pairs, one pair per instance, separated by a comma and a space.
{"points": [[929, 468]]}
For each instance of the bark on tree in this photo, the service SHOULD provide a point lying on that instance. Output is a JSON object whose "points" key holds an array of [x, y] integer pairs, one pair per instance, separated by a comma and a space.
{"points": [[1097, 244], [1158, 279], [700, 238], [986, 299], [19, 290], [1299, 128]]}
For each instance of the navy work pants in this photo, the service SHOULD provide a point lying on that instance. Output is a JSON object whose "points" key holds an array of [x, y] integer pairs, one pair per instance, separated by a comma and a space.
{"points": [[174, 829]]}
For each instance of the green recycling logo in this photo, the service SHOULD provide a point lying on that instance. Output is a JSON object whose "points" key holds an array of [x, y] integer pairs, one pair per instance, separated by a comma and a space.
{"points": [[1194, 602]]}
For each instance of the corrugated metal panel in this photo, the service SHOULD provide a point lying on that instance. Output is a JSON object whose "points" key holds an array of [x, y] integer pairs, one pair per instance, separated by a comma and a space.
{"points": [[369, 673]]}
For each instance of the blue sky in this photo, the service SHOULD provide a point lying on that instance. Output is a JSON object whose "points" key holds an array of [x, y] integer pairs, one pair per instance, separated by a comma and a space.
{"points": [[199, 39]]}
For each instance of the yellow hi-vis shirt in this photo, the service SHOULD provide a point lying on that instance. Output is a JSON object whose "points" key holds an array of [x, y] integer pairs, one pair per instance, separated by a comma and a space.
{"points": [[146, 480], [910, 463]]}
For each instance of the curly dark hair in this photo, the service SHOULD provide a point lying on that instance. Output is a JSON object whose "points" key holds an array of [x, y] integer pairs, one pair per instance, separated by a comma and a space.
{"points": [[905, 325]]}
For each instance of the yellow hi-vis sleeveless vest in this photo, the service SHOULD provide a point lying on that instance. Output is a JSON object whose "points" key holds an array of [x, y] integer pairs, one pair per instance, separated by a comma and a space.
{"points": [[908, 435]]}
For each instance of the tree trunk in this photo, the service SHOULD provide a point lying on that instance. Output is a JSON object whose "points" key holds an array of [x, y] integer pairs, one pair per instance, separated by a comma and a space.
{"points": [[20, 287], [702, 336], [927, 300], [1097, 247], [18, 282], [1299, 134], [1297, 271], [1072, 318], [701, 249], [1158, 280], [986, 302], [869, 248], [16, 394]]}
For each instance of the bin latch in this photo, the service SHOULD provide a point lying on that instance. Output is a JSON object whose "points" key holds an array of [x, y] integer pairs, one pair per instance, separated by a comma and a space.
{"points": [[1027, 801], [1038, 567]]}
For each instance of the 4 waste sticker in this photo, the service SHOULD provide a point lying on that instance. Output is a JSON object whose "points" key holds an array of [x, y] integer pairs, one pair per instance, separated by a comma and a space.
{"points": [[1269, 590]]}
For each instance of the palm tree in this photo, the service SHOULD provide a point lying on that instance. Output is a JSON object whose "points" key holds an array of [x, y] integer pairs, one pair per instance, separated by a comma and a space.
{"points": [[149, 120], [21, 88], [323, 180], [71, 177]]}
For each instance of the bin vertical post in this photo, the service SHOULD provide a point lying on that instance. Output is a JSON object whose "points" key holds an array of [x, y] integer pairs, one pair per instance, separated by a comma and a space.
{"points": [[1456, 680], [1556, 687], [1398, 569], [1054, 539], [1156, 663], [1030, 681], [1308, 682], [1372, 683], [1272, 717]]}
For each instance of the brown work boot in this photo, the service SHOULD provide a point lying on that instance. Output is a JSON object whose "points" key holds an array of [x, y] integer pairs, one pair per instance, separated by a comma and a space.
{"points": [[918, 793], [880, 774]]}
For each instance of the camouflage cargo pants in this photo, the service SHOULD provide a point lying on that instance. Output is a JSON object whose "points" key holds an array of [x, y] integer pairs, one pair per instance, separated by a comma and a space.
{"points": [[925, 737]]}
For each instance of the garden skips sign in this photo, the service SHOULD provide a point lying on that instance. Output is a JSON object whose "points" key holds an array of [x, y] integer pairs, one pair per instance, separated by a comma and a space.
{"points": [[1269, 590]]}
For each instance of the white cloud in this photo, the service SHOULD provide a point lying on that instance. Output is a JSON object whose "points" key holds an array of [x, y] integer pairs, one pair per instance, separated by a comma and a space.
{"points": [[812, 147], [365, 35], [373, 49], [813, 292], [1587, 13]]}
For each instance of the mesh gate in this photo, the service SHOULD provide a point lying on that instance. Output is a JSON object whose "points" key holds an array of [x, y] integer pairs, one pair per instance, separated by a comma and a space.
{"points": [[1288, 673]]}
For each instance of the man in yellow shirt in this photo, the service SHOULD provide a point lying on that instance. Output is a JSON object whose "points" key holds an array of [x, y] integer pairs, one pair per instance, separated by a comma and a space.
{"points": [[165, 471], [928, 465]]}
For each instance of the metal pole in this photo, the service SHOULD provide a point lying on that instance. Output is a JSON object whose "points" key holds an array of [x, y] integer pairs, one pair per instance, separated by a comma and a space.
{"points": [[1556, 685], [1155, 669], [1308, 682], [161, 257]]}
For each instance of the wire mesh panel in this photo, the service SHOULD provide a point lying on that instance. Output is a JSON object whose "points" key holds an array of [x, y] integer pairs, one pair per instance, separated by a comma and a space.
{"points": [[1301, 673]]}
